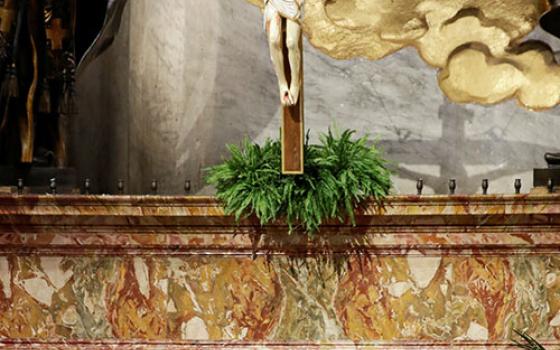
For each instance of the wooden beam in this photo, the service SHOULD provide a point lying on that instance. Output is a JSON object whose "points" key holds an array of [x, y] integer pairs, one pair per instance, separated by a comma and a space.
{"points": [[293, 125]]}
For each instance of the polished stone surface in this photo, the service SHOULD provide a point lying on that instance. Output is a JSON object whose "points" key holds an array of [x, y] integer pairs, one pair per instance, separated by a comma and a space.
{"points": [[99, 272]]}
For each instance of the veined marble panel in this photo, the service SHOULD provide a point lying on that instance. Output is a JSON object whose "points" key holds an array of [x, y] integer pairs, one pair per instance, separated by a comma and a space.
{"points": [[423, 300]]}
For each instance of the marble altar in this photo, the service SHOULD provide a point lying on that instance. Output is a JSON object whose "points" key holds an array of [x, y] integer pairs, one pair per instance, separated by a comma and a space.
{"points": [[151, 272]]}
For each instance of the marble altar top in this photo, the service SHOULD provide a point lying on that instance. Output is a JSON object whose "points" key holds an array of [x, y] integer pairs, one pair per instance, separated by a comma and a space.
{"points": [[495, 224]]}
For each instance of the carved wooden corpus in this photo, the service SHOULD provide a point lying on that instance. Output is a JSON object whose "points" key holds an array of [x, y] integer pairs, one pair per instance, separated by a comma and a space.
{"points": [[292, 123]]}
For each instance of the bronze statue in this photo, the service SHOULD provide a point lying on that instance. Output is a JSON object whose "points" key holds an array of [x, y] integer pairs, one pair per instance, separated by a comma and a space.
{"points": [[41, 42]]}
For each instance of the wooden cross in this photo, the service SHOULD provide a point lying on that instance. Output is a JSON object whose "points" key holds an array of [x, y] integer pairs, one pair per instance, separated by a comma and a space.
{"points": [[292, 124], [56, 34]]}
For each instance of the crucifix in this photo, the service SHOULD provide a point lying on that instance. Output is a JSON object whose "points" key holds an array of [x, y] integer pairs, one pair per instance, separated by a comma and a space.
{"points": [[56, 34], [285, 43]]}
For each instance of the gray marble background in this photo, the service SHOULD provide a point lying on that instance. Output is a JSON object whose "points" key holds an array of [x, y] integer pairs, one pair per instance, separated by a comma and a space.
{"points": [[184, 79]]}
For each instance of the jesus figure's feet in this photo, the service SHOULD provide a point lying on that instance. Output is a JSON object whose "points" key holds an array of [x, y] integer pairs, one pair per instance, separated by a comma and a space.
{"points": [[294, 93], [285, 97]]}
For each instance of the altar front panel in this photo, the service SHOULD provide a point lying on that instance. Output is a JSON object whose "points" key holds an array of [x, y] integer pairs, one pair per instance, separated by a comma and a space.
{"points": [[164, 273]]}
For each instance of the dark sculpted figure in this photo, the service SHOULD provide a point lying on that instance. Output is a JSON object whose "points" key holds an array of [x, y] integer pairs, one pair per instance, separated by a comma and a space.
{"points": [[43, 43]]}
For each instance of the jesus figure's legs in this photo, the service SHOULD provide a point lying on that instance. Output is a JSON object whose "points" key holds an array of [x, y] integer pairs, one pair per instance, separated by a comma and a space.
{"points": [[293, 36], [274, 30]]}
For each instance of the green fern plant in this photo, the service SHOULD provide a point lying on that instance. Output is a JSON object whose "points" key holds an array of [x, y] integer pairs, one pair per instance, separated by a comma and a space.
{"points": [[340, 174]]}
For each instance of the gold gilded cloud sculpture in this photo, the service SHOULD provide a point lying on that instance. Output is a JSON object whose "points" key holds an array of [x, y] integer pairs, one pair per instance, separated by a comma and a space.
{"points": [[483, 37], [372, 29], [368, 29], [527, 72]]}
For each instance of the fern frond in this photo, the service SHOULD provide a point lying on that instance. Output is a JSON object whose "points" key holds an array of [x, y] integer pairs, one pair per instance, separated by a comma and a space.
{"points": [[529, 343], [340, 174]]}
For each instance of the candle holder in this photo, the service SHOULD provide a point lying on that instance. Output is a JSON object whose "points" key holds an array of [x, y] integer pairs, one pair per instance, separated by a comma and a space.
{"points": [[420, 186], [120, 186], [517, 186], [154, 187], [87, 186], [452, 186], [485, 186], [52, 185]]}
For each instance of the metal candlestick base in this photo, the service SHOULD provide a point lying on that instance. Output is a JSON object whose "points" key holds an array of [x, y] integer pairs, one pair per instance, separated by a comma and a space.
{"points": [[542, 177], [38, 179]]}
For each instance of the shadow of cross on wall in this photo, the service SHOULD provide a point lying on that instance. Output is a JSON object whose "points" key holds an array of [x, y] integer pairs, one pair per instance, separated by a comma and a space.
{"points": [[453, 152]]}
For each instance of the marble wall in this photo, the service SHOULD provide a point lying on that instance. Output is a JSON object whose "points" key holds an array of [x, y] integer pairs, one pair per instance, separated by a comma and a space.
{"points": [[183, 80]]}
